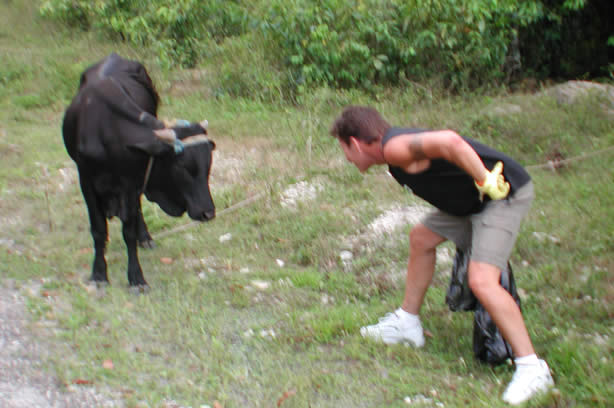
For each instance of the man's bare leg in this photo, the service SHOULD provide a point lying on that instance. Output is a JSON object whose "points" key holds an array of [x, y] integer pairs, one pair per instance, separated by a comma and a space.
{"points": [[484, 283], [420, 266]]}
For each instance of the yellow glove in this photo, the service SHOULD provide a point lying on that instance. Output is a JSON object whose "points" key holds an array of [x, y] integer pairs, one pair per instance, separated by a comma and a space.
{"points": [[494, 185]]}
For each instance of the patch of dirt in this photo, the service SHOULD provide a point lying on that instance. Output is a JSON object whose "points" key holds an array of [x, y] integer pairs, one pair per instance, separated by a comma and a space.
{"points": [[395, 217], [389, 223], [226, 169], [24, 380], [300, 192], [568, 92], [67, 177]]}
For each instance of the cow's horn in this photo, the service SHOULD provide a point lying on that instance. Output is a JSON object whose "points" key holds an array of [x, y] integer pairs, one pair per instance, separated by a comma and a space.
{"points": [[166, 135], [196, 139], [204, 124]]}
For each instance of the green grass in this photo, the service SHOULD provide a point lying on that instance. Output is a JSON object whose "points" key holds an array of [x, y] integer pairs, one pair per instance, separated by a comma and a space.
{"points": [[209, 331]]}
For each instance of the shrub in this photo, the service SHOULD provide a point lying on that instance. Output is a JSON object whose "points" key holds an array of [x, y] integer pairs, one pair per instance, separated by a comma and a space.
{"points": [[179, 30], [356, 43], [463, 44]]}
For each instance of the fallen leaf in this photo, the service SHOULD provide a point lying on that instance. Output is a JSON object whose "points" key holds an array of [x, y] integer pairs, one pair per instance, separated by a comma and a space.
{"points": [[284, 397], [79, 381], [108, 364], [167, 261]]}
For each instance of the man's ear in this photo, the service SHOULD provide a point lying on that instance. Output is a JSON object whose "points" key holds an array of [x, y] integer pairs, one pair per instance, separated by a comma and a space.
{"points": [[354, 144], [151, 148]]}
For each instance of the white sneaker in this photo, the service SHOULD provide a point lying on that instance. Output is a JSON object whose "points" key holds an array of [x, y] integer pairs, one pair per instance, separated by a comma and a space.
{"points": [[528, 380], [393, 329]]}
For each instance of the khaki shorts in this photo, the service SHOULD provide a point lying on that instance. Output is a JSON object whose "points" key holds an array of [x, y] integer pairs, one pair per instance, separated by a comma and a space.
{"points": [[490, 234]]}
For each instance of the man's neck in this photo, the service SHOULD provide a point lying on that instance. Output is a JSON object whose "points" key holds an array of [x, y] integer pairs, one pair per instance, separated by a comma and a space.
{"points": [[375, 151]]}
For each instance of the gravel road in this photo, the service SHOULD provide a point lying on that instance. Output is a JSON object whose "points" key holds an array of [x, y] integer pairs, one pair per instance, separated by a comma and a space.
{"points": [[24, 381]]}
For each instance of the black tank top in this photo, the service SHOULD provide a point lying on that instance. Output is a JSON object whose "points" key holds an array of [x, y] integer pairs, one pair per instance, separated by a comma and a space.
{"points": [[447, 186]]}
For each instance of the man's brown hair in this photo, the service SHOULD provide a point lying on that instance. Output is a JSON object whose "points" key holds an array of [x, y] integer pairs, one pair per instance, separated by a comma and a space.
{"points": [[362, 122]]}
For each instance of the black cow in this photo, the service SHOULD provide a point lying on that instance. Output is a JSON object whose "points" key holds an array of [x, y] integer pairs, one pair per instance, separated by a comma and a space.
{"points": [[122, 150]]}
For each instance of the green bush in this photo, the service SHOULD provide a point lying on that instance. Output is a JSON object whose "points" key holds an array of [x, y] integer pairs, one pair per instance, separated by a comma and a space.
{"points": [[356, 43], [179, 30], [462, 44]]}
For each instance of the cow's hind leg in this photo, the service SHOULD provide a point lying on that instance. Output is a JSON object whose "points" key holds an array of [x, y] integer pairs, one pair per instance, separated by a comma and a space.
{"points": [[135, 274], [143, 237], [99, 231]]}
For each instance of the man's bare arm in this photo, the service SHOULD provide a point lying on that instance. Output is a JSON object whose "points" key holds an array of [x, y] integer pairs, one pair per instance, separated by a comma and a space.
{"points": [[416, 149], [413, 152]]}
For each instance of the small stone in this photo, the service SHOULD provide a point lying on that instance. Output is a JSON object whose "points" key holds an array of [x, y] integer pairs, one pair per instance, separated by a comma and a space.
{"points": [[226, 237], [261, 285], [346, 256]]}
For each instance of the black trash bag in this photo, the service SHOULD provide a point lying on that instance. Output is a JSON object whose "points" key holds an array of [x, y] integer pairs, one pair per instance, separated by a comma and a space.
{"points": [[488, 343], [459, 297]]}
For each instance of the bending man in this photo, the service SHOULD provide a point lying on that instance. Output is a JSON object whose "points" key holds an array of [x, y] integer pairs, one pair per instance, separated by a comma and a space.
{"points": [[481, 196]]}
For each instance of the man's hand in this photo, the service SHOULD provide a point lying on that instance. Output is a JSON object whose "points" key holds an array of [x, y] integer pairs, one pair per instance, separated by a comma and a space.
{"points": [[494, 184]]}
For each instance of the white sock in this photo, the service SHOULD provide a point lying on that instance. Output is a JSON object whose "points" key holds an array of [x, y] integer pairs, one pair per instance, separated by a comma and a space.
{"points": [[531, 359], [406, 315]]}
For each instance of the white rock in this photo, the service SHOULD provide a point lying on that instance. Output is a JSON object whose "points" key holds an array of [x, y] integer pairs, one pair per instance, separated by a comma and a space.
{"points": [[327, 299], [299, 192], [261, 285], [542, 236], [226, 237], [346, 256], [267, 333]]}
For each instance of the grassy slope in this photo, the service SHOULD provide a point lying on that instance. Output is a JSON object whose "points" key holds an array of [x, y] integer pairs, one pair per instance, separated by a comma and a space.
{"points": [[190, 339]]}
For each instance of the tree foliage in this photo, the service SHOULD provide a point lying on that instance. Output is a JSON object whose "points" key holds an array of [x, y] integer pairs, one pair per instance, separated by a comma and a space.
{"points": [[178, 30], [353, 43]]}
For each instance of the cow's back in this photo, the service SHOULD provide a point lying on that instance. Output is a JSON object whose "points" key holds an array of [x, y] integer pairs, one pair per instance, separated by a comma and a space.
{"points": [[93, 122]]}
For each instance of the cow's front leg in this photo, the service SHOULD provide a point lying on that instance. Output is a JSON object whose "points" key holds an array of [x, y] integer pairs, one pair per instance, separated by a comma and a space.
{"points": [[99, 266], [135, 274], [144, 238]]}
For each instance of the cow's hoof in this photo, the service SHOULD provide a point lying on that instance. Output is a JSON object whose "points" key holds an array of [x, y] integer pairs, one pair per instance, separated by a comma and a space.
{"points": [[99, 283], [147, 244], [96, 288], [139, 289]]}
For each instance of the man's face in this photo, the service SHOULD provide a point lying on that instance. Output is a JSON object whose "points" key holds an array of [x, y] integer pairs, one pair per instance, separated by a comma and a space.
{"points": [[354, 155]]}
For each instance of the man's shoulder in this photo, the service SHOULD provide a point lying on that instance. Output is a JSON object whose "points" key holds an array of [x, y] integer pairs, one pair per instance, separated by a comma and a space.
{"points": [[398, 131]]}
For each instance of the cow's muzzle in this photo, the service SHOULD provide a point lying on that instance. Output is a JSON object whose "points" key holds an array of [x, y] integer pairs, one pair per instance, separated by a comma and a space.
{"points": [[204, 216]]}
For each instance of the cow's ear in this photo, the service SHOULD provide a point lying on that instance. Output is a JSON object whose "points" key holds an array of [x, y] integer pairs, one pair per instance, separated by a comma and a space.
{"points": [[152, 148]]}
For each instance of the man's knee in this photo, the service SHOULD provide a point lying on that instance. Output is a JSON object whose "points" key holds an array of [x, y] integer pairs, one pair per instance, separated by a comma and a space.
{"points": [[423, 239], [482, 278]]}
